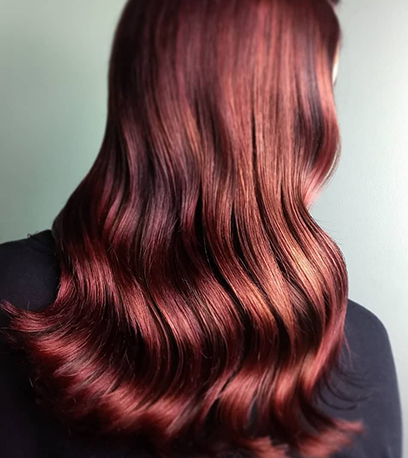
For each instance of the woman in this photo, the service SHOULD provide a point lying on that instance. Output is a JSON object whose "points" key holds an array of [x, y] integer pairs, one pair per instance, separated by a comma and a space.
{"points": [[185, 302]]}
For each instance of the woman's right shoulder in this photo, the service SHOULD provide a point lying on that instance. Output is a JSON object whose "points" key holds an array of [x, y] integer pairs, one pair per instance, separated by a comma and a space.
{"points": [[370, 345], [372, 361], [29, 271], [362, 321]]}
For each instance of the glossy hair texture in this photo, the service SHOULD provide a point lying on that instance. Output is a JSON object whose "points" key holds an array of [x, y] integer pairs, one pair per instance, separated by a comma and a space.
{"points": [[199, 301]]}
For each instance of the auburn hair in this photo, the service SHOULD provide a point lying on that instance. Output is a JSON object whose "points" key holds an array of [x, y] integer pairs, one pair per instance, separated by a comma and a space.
{"points": [[199, 302]]}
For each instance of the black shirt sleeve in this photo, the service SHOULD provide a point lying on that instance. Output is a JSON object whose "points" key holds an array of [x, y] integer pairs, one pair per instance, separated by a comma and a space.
{"points": [[29, 271], [372, 383]]}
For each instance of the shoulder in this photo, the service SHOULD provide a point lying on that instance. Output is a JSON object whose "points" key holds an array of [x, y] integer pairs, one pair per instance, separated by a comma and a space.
{"points": [[29, 272], [371, 381], [358, 315], [370, 345], [364, 329], [368, 339]]}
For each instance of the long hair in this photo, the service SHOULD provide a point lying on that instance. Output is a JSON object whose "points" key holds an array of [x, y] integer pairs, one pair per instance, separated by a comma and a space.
{"points": [[198, 299]]}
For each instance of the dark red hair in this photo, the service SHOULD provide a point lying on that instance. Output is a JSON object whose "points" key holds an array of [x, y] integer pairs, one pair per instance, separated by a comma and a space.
{"points": [[199, 301]]}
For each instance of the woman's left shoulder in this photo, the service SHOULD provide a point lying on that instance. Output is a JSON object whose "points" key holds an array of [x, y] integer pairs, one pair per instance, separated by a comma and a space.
{"points": [[29, 272]]}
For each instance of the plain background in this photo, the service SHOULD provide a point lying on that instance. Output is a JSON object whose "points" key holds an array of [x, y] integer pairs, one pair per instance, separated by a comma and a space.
{"points": [[53, 67]]}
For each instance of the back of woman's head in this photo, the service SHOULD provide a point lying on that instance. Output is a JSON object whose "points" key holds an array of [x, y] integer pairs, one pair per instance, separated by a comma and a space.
{"points": [[199, 302]]}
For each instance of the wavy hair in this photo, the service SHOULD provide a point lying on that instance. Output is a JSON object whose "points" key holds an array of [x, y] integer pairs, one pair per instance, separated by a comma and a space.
{"points": [[199, 302]]}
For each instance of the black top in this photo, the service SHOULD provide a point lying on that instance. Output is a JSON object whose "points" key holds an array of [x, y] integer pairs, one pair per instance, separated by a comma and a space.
{"points": [[29, 277]]}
